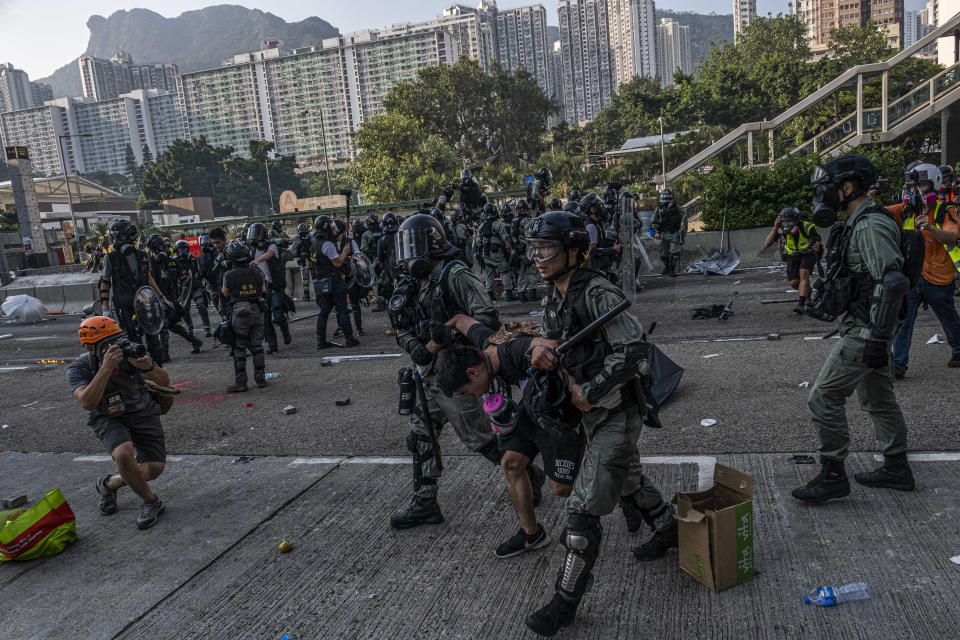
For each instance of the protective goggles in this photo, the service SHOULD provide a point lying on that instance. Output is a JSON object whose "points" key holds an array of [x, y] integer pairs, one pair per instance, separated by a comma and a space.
{"points": [[543, 250]]}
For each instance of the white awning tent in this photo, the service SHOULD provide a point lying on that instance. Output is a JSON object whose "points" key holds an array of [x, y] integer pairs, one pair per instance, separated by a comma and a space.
{"points": [[54, 190]]}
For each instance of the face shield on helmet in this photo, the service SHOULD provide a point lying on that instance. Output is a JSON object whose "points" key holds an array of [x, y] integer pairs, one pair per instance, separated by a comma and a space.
{"points": [[543, 250], [418, 243], [826, 199], [465, 174]]}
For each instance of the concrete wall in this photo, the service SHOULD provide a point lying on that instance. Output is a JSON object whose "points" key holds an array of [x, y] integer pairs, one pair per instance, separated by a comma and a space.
{"points": [[747, 242], [62, 292]]}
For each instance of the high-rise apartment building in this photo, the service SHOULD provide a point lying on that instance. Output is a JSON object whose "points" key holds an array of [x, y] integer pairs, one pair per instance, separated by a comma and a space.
{"points": [[587, 60], [107, 79], [41, 93], [15, 91], [673, 50], [95, 134], [312, 98], [822, 16], [522, 42], [556, 68], [633, 36], [744, 12]]}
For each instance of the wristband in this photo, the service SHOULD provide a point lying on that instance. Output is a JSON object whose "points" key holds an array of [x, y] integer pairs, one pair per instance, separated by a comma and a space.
{"points": [[153, 365]]}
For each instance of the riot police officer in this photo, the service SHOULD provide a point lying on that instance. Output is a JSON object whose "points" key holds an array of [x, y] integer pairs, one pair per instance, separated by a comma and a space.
{"points": [[267, 259], [356, 291], [605, 384], [539, 189], [437, 287], [528, 279], [603, 252], [167, 274], [472, 197], [211, 264], [125, 270], [301, 252], [198, 295], [385, 264], [493, 252], [329, 254], [243, 289], [670, 227]]}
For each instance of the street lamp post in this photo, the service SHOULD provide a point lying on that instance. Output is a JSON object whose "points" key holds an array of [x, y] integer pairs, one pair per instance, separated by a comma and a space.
{"points": [[663, 155], [323, 140], [66, 181], [266, 166]]}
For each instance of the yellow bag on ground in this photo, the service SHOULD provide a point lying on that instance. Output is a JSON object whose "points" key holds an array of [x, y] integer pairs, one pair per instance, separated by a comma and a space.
{"points": [[42, 530]]}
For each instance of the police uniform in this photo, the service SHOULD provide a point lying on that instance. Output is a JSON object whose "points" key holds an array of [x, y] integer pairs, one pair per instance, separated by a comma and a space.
{"points": [[529, 279], [330, 288], [493, 234], [669, 221], [245, 285], [126, 274], [301, 252], [198, 294], [166, 273]]}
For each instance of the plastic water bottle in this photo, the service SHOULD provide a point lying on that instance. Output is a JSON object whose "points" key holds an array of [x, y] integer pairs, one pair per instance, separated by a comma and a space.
{"points": [[832, 596]]}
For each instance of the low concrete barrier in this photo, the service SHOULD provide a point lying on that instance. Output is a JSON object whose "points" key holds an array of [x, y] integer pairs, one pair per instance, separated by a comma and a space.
{"points": [[77, 296], [59, 293], [747, 242]]}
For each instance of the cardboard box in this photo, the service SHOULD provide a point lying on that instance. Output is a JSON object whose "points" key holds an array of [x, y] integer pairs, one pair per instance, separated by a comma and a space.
{"points": [[715, 528]]}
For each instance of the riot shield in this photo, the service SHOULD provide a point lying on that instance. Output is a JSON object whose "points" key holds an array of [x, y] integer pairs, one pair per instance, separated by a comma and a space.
{"points": [[361, 271], [149, 311], [186, 288], [628, 269]]}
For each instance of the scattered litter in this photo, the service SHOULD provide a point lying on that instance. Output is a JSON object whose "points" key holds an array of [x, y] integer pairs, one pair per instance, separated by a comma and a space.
{"points": [[13, 503], [936, 339], [536, 314], [289, 409], [707, 422], [244, 459], [705, 312], [249, 404], [25, 405], [11, 457], [285, 547], [802, 458], [223, 433], [712, 355], [738, 282], [790, 291], [6, 335], [6, 426], [955, 559], [832, 596], [813, 337], [284, 637], [804, 384], [271, 375], [326, 363], [342, 403], [773, 337]]}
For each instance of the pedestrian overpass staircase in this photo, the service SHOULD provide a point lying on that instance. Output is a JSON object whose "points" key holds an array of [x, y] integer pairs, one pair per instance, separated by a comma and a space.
{"points": [[883, 123]]}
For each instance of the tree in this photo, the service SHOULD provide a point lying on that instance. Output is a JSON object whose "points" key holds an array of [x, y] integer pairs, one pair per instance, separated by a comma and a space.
{"points": [[187, 168], [131, 168]]}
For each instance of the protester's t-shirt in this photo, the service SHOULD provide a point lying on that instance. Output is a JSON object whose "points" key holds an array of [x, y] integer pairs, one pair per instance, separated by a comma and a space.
{"points": [[594, 233], [136, 400]]}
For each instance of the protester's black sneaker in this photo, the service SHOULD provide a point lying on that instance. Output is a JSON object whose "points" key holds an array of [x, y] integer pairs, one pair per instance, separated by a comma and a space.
{"points": [[108, 497], [894, 474], [338, 333], [323, 344], [150, 510], [361, 332], [658, 544], [537, 477], [555, 615], [421, 511], [830, 483], [521, 542], [239, 387]]}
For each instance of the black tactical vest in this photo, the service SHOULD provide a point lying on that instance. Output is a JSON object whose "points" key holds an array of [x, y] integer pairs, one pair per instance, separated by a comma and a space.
{"points": [[324, 268], [670, 218], [124, 284]]}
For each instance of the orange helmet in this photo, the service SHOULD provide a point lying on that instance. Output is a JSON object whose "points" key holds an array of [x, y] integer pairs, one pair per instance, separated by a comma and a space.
{"points": [[94, 329]]}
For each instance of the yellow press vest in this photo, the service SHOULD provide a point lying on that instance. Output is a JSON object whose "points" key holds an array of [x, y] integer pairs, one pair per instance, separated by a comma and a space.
{"points": [[954, 253], [800, 243]]}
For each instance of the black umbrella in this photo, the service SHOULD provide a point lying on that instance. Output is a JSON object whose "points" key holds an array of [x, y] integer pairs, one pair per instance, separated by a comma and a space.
{"points": [[665, 375]]}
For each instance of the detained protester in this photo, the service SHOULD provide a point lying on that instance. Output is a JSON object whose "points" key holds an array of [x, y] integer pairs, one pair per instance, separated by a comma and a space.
{"points": [[489, 371], [438, 286], [937, 220], [865, 287], [109, 381], [211, 264], [605, 383], [801, 244], [244, 289]]}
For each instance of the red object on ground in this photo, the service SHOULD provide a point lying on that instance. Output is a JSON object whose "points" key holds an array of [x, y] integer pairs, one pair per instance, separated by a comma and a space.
{"points": [[249, 404]]}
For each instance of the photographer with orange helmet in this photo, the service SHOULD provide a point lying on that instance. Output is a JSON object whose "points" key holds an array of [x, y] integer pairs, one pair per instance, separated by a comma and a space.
{"points": [[109, 381]]}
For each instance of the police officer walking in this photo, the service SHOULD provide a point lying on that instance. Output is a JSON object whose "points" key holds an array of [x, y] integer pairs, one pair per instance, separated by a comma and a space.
{"points": [[493, 252], [605, 385], [439, 286], [198, 295], [602, 252], [301, 252], [801, 243], [211, 264], [670, 227], [267, 258], [166, 272], [528, 278], [385, 265], [356, 292], [126, 269], [329, 256], [243, 289], [866, 250]]}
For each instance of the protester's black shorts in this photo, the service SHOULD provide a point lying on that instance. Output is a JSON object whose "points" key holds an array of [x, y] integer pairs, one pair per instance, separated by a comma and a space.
{"points": [[561, 452], [798, 261], [145, 433]]}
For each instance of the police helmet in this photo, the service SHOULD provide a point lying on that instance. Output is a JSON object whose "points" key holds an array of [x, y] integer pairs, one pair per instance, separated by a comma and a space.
{"points": [[851, 167], [277, 226], [591, 204], [390, 222], [182, 248], [155, 242], [554, 204], [506, 209], [560, 226], [575, 195], [666, 195], [323, 224], [257, 234], [466, 174], [490, 211], [302, 229], [123, 231], [421, 239], [237, 253]]}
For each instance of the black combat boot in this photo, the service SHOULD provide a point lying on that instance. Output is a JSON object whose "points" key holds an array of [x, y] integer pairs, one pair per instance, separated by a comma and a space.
{"points": [[633, 515], [555, 615], [197, 343], [666, 266], [674, 263], [831, 482], [322, 344], [350, 341], [894, 474], [801, 305], [510, 295], [658, 544], [421, 511]]}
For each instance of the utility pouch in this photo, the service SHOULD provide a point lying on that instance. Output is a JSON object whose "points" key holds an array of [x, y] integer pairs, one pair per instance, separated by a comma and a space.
{"points": [[323, 286]]}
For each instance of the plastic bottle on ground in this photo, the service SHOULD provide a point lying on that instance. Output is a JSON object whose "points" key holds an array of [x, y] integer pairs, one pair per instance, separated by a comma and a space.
{"points": [[832, 596]]}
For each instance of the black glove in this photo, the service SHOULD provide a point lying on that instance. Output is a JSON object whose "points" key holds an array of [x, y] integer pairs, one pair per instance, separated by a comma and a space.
{"points": [[876, 354], [439, 332], [420, 355]]}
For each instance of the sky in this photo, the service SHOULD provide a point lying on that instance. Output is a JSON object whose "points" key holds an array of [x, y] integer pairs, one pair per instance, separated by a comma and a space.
{"points": [[41, 36]]}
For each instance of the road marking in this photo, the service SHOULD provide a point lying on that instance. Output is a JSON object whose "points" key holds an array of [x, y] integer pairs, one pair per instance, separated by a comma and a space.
{"points": [[378, 460], [8, 369], [927, 457], [317, 461], [373, 356], [109, 459]]}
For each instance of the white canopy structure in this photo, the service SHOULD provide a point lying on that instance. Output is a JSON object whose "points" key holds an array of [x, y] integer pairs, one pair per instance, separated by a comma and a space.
{"points": [[54, 190]]}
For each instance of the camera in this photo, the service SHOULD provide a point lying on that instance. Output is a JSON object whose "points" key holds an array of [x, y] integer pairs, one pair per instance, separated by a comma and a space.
{"points": [[130, 348], [881, 184]]}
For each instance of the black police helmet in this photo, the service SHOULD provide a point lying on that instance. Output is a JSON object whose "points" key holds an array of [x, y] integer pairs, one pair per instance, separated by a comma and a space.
{"points": [[490, 211], [591, 203], [302, 229], [466, 174], [123, 230], [576, 195], [560, 226], [506, 209], [853, 167], [390, 223], [182, 247], [237, 253], [155, 242], [277, 225], [554, 204], [421, 239], [323, 225], [257, 233]]}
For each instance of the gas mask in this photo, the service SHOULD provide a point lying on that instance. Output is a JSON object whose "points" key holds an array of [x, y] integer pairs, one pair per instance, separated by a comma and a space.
{"points": [[124, 244], [789, 228], [826, 201]]}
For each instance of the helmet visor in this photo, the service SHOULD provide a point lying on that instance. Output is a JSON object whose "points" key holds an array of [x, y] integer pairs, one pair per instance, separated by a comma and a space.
{"points": [[412, 244], [543, 250], [820, 175]]}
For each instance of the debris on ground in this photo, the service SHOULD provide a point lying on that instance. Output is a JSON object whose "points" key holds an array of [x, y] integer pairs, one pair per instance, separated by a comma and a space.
{"points": [[705, 312], [342, 403], [804, 384], [802, 458], [707, 422], [288, 410], [271, 375], [711, 355], [936, 339], [285, 547], [955, 559], [13, 503], [773, 337]]}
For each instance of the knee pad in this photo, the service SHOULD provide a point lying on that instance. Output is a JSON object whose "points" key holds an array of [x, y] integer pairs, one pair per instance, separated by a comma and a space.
{"points": [[583, 548]]}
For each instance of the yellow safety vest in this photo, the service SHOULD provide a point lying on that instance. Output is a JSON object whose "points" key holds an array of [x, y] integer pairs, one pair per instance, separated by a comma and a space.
{"points": [[954, 253], [800, 243]]}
